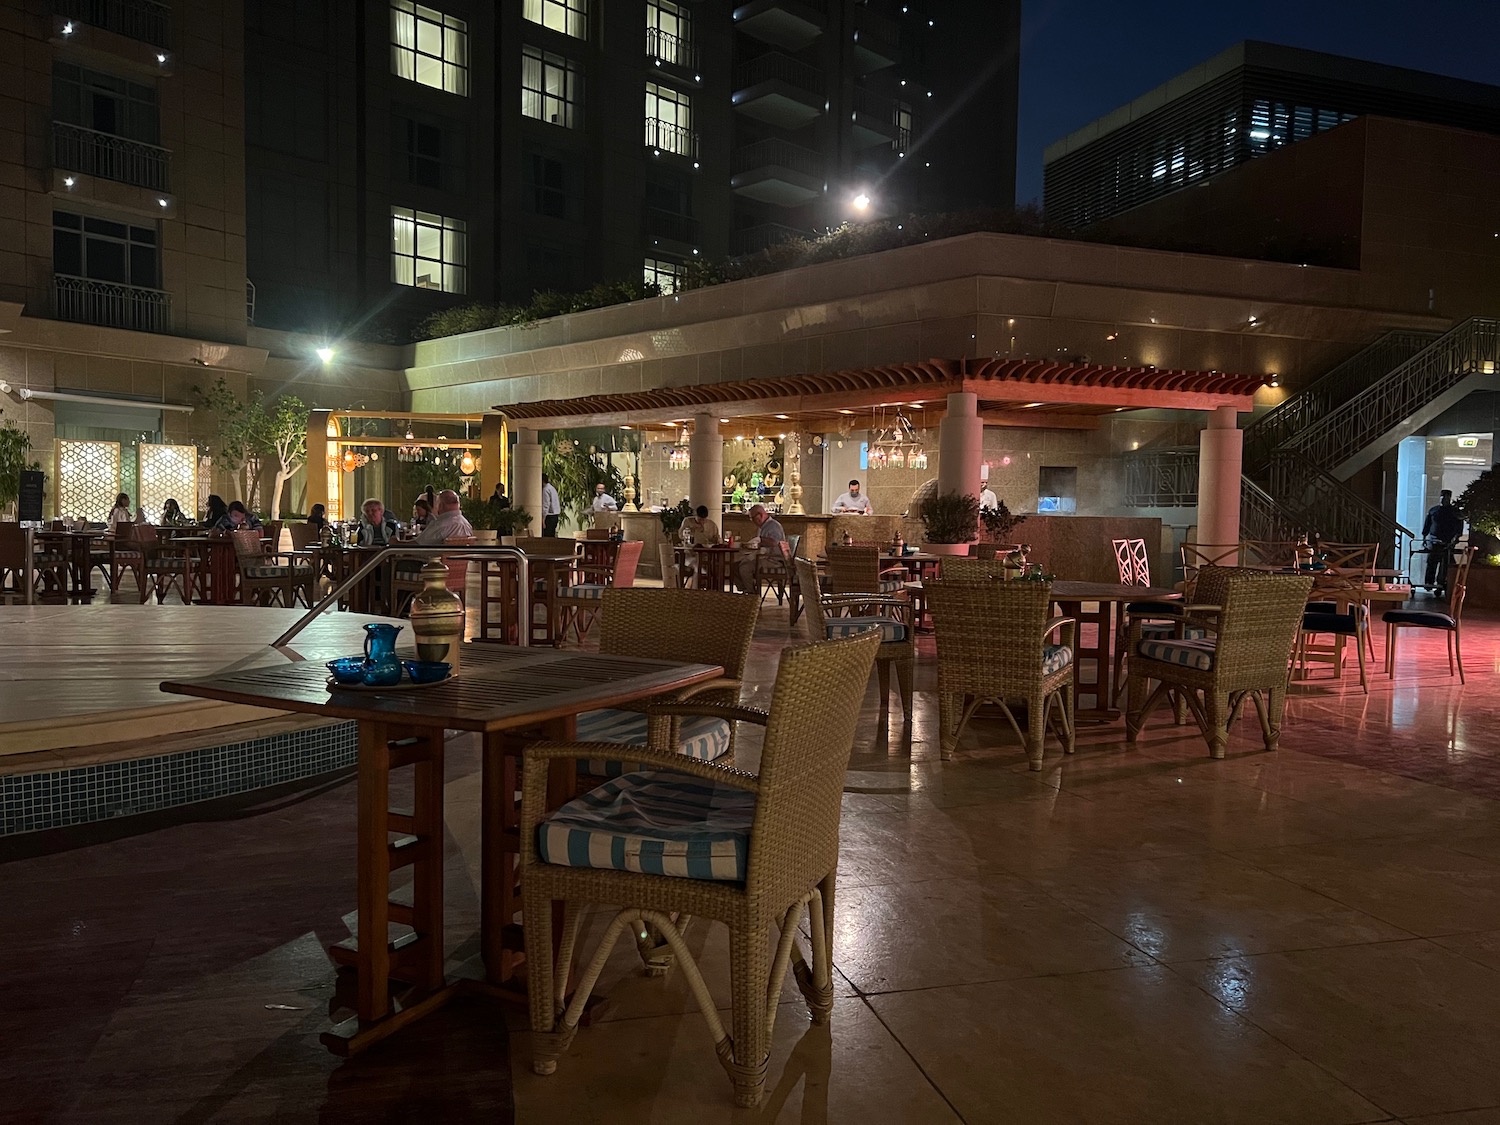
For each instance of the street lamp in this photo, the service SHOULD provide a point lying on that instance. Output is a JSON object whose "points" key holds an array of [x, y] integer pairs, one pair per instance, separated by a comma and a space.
{"points": [[862, 202]]}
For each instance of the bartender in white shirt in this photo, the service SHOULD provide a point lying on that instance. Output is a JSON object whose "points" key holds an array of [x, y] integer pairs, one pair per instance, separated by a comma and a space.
{"points": [[603, 501], [987, 497], [853, 501]]}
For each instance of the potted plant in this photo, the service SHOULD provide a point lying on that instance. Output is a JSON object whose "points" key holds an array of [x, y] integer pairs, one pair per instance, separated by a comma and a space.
{"points": [[672, 519], [510, 522], [1000, 523], [14, 445], [1480, 506], [950, 522]]}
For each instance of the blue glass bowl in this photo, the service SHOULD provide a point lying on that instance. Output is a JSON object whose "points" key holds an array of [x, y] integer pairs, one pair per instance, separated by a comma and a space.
{"points": [[382, 673], [348, 670], [427, 671]]}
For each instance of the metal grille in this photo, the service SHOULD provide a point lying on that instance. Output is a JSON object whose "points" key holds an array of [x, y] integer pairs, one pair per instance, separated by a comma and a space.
{"points": [[146, 20], [1165, 478], [782, 154], [109, 157], [111, 304], [166, 471], [88, 478], [667, 137]]}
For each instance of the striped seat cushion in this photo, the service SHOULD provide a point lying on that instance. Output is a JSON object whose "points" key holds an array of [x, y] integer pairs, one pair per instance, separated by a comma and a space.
{"points": [[893, 584], [277, 571], [47, 558], [699, 736], [592, 591], [656, 822], [1159, 630], [1055, 658], [169, 562], [1197, 654], [890, 628]]}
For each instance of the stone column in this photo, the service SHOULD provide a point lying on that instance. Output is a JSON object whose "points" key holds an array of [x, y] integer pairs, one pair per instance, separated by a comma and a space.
{"points": [[1220, 448], [960, 445], [492, 454], [792, 452], [706, 466], [527, 468]]}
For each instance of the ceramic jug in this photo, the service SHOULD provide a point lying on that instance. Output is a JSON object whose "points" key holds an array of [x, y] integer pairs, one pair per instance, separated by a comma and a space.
{"points": [[437, 617]]}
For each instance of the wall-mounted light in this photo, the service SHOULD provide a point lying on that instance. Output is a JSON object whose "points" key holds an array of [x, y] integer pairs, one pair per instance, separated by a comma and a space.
{"points": [[163, 202], [68, 28], [68, 181], [161, 59], [326, 354]]}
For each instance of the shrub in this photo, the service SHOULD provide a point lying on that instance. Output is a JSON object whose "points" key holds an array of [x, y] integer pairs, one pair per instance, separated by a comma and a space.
{"points": [[952, 517]]}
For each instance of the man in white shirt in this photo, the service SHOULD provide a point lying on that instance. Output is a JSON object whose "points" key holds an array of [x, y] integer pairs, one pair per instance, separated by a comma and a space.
{"points": [[603, 501], [853, 501], [987, 498], [447, 522], [551, 507]]}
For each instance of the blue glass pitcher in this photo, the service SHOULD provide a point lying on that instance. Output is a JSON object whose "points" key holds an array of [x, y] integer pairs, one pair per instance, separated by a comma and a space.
{"points": [[380, 642]]}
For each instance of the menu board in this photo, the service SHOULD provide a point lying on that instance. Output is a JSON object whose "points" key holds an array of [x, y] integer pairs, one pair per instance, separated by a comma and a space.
{"points": [[30, 502]]}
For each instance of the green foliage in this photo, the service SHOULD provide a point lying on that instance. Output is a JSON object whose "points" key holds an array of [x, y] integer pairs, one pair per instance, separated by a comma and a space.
{"points": [[486, 515], [476, 318], [436, 467], [1000, 522], [575, 467], [14, 445], [952, 517], [1480, 506], [672, 519], [256, 426]]}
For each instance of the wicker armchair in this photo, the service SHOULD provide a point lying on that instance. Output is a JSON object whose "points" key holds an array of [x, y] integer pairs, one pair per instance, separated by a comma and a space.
{"points": [[857, 570], [697, 839], [840, 615], [167, 564], [1255, 623], [958, 568], [992, 647], [267, 581], [127, 552]]}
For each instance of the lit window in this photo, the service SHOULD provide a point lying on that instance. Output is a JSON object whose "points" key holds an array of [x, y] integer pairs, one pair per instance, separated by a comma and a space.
{"points": [[903, 127], [669, 33], [667, 275], [571, 17], [669, 120], [429, 47], [549, 87], [428, 251]]}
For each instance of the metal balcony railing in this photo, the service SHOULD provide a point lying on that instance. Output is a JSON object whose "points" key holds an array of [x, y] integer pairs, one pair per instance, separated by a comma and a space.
{"points": [[783, 154], [670, 224], [1277, 427], [1355, 423], [673, 49], [754, 239], [249, 302], [109, 157], [875, 105], [149, 21], [877, 33], [111, 304], [776, 67], [669, 137], [1162, 478]]}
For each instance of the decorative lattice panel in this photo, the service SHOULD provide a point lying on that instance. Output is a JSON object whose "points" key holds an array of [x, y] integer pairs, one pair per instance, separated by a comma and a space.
{"points": [[168, 470], [88, 478]]}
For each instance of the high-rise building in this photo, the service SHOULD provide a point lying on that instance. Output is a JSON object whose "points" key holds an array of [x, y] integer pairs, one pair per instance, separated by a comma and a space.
{"points": [[1244, 103]]}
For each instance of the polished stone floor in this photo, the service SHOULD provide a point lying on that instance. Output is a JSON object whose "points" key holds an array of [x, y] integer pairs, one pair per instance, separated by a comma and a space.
{"points": [[1146, 935]]}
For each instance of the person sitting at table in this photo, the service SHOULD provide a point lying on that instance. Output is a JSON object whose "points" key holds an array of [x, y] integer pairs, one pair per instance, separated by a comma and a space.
{"points": [[697, 531], [238, 518], [767, 544], [498, 497], [447, 522], [214, 511], [853, 501], [121, 512], [375, 529], [318, 518], [421, 514], [172, 514]]}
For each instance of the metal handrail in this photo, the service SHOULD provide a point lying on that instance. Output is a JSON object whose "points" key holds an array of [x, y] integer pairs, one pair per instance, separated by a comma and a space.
{"points": [[78, 148], [523, 584]]}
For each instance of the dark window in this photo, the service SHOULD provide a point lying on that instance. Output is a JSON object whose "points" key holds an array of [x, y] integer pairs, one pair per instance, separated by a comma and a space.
{"points": [[286, 110], [424, 154], [673, 196], [105, 103], [1057, 489], [550, 186], [102, 250], [549, 269], [295, 21]]}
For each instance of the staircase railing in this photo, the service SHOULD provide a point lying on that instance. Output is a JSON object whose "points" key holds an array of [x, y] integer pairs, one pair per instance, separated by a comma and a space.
{"points": [[1354, 423], [1261, 517], [1319, 502], [1365, 368]]}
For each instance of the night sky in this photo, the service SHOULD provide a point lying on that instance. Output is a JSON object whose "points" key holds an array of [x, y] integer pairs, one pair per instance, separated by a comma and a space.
{"points": [[1082, 58]]}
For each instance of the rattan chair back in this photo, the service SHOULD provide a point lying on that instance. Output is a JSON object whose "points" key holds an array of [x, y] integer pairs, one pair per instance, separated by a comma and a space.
{"points": [[1262, 615], [957, 568], [853, 570], [807, 580], [989, 635], [547, 546], [1458, 584], [690, 626], [304, 535]]}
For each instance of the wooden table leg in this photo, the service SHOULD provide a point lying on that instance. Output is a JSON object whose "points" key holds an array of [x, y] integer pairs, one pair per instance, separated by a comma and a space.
{"points": [[1102, 619]]}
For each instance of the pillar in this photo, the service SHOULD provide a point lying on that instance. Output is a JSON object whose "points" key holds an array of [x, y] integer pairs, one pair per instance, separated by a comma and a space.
{"points": [[960, 445], [1220, 448], [323, 482], [706, 466], [528, 477], [493, 452]]}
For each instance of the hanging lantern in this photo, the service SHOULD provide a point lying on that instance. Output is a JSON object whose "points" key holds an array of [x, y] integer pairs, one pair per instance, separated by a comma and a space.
{"points": [[466, 464], [349, 464]]}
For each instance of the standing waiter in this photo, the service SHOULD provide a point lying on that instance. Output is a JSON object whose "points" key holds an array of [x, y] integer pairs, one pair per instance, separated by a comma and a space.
{"points": [[1440, 530]]}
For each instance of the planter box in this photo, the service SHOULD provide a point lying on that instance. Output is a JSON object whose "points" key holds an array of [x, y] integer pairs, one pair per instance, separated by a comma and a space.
{"points": [[1484, 587]]}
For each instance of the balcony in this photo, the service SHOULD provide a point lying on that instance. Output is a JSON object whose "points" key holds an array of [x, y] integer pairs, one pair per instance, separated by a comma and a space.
{"points": [[147, 21], [877, 41], [673, 50], [779, 90], [874, 119], [111, 304], [788, 24], [752, 240], [664, 136], [779, 172], [669, 227], [109, 157]]}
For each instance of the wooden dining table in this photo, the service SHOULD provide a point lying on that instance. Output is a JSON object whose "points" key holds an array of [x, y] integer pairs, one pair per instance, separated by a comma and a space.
{"points": [[1097, 629], [507, 695], [713, 566], [77, 548]]}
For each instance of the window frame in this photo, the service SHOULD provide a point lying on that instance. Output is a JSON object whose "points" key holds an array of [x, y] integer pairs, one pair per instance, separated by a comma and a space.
{"points": [[452, 57], [676, 135], [566, 17], [452, 260], [669, 32], [666, 273], [570, 100], [129, 244]]}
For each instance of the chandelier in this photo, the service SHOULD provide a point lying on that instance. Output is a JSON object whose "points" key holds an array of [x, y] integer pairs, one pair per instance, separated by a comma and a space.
{"points": [[896, 445], [677, 456], [410, 451], [353, 460]]}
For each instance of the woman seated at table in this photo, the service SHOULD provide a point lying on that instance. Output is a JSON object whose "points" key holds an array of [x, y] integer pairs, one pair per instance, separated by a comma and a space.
{"points": [[421, 514], [172, 514], [238, 518], [318, 518], [215, 510], [376, 529], [121, 512]]}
